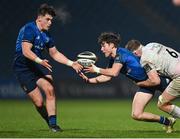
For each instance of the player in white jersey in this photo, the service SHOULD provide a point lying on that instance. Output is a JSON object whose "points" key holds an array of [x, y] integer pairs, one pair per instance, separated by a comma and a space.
{"points": [[164, 60], [158, 59]]}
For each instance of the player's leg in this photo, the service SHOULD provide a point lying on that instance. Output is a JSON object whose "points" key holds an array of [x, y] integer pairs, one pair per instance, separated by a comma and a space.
{"points": [[165, 105], [37, 100], [140, 101], [47, 86], [27, 81], [172, 92]]}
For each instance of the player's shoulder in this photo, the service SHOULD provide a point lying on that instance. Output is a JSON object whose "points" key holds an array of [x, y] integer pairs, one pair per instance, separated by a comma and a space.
{"points": [[125, 55], [152, 45], [121, 50], [30, 26]]}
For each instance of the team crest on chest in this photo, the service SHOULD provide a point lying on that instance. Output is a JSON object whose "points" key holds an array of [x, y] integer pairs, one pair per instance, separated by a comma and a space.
{"points": [[38, 37]]}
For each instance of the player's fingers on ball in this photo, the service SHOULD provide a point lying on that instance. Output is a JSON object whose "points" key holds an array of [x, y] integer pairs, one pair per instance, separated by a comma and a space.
{"points": [[92, 65], [46, 60], [87, 71], [49, 69], [77, 71], [49, 65], [81, 74]]}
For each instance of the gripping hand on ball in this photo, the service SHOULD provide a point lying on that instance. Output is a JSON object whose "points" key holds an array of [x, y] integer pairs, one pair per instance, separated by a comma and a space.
{"points": [[92, 69], [77, 67]]}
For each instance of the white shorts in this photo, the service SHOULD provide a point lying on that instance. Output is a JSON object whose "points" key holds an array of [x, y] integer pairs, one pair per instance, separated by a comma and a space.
{"points": [[174, 87]]}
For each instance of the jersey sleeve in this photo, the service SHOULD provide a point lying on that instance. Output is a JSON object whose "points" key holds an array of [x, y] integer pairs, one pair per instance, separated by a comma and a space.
{"points": [[28, 35], [119, 59], [146, 62]]}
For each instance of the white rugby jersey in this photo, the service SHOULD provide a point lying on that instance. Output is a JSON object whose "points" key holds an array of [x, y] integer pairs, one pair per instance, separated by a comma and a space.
{"points": [[165, 60]]}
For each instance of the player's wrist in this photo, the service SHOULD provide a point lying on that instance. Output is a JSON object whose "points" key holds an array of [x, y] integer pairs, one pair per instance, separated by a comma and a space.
{"points": [[38, 60], [69, 63], [97, 81], [96, 69]]}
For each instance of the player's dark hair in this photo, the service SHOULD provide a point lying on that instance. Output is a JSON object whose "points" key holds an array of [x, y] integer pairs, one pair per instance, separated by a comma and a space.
{"points": [[46, 9], [109, 37], [133, 45]]}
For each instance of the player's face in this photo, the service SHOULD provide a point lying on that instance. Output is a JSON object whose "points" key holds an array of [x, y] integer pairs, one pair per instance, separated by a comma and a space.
{"points": [[106, 48], [176, 2], [45, 21]]}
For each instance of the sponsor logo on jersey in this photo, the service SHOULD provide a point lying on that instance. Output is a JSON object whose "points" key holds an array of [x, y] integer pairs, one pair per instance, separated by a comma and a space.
{"points": [[38, 37], [47, 39], [38, 47]]}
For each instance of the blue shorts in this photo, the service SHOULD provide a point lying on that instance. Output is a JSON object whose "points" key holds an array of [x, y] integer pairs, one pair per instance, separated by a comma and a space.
{"points": [[28, 72], [151, 90]]}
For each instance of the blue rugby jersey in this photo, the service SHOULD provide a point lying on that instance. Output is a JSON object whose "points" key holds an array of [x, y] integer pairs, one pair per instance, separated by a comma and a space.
{"points": [[131, 64], [39, 39]]}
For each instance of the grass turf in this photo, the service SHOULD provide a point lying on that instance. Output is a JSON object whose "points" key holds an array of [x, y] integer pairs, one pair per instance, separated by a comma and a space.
{"points": [[80, 118]]}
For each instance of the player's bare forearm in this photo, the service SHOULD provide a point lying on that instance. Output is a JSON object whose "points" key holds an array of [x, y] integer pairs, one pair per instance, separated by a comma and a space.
{"points": [[26, 49], [59, 57], [112, 72], [147, 83], [153, 79], [99, 79], [95, 80], [108, 72]]}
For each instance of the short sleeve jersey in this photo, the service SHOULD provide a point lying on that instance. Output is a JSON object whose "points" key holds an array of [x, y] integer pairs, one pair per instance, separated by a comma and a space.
{"points": [[39, 39], [164, 60], [131, 65]]}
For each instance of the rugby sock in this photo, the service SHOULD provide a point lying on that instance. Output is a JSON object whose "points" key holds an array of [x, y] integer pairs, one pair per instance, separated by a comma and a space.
{"points": [[43, 112], [164, 120], [52, 120], [175, 111]]}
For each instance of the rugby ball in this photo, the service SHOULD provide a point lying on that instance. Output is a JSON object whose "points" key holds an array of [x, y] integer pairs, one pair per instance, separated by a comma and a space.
{"points": [[86, 58]]}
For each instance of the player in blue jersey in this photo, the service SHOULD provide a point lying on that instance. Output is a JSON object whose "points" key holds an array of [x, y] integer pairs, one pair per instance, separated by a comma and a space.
{"points": [[122, 60], [32, 69]]}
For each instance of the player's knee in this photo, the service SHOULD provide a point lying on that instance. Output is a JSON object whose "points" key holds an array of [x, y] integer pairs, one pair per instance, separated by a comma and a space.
{"points": [[161, 102], [50, 95], [49, 89], [136, 116], [38, 102]]}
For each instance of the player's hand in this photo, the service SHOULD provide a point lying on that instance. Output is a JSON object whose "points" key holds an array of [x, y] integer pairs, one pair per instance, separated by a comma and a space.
{"points": [[88, 69], [83, 76], [91, 69], [77, 67], [46, 64]]}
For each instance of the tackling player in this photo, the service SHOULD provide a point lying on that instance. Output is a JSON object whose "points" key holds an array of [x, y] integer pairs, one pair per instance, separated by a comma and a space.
{"points": [[31, 68], [122, 60], [158, 59]]}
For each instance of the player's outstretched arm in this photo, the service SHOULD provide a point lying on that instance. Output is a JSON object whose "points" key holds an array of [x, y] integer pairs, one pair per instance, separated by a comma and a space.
{"points": [[153, 79], [98, 79], [113, 72], [59, 57], [26, 49]]}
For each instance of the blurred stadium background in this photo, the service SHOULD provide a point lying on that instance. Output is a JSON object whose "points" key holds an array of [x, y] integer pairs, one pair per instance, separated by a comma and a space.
{"points": [[76, 29]]}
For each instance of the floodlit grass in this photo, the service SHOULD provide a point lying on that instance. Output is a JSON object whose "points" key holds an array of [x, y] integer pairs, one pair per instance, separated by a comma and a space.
{"points": [[80, 118]]}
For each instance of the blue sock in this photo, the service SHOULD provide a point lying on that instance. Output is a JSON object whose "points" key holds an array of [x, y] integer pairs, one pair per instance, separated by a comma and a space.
{"points": [[52, 120], [164, 120]]}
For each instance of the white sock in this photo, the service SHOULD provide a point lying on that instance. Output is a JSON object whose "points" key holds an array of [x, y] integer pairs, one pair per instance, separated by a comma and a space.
{"points": [[175, 111]]}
